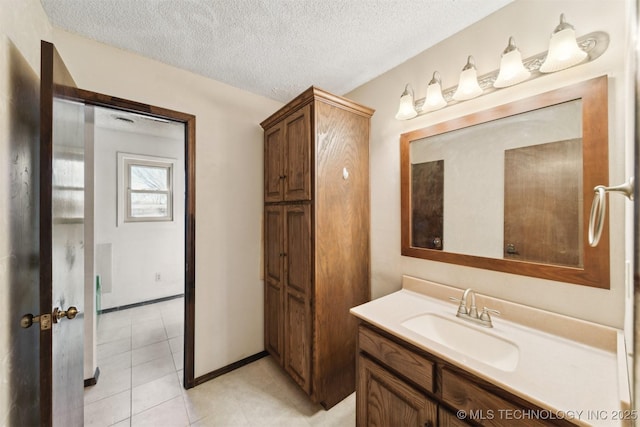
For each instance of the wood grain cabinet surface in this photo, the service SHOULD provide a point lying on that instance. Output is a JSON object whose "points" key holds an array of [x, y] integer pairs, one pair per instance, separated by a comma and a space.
{"points": [[316, 239], [400, 385], [390, 401]]}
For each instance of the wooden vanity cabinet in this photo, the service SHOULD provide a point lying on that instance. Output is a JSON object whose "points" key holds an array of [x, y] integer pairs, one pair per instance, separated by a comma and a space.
{"points": [[401, 385], [316, 239], [389, 400]]}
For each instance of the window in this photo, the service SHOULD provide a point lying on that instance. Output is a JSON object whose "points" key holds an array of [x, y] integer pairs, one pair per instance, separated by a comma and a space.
{"points": [[68, 185], [149, 190]]}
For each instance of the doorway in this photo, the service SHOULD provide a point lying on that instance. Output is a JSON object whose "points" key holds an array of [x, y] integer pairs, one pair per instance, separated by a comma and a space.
{"points": [[135, 176], [95, 99], [61, 309]]}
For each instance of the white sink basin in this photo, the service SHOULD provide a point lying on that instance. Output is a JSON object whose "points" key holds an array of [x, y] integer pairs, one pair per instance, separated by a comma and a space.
{"points": [[466, 339]]}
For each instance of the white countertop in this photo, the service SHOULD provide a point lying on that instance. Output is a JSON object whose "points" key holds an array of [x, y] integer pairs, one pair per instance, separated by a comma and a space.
{"points": [[570, 379]]}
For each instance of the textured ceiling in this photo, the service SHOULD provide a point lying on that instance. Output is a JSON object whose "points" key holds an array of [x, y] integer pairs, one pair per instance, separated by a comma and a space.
{"points": [[275, 48]]}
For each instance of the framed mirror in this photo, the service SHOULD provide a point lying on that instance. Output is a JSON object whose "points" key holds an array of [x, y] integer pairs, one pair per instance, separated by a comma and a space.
{"points": [[510, 188]]}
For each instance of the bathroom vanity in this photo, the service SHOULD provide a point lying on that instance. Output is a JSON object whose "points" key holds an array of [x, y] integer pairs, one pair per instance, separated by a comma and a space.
{"points": [[420, 365]]}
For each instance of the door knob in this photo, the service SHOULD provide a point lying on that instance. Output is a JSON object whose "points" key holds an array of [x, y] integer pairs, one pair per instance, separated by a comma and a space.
{"points": [[69, 313], [45, 319], [29, 319]]}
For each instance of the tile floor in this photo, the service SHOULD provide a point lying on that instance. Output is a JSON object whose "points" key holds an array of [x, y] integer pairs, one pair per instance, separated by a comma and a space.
{"points": [[140, 384]]}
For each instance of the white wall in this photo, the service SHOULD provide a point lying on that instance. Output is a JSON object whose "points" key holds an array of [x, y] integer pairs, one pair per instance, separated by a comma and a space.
{"points": [[229, 293], [139, 250], [530, 22]]}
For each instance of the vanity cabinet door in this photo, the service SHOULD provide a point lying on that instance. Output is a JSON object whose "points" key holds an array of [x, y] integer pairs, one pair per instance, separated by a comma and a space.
{"points": [[485, 407], [447, 419], [382, 399]]}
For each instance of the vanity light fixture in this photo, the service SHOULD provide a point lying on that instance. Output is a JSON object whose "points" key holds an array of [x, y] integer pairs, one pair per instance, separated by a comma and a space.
{"points": [[407, 109], [468, 87], [512, 70], [434, 100], [564, 51]]}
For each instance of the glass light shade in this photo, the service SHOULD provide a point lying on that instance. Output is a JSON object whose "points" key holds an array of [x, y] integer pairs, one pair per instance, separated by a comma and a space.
{"points": [[468, 86], [406, 109], [512, 71], [434, 99], [564, 51]]}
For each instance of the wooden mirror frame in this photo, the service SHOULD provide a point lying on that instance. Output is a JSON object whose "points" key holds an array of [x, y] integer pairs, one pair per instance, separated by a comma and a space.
{"points": [[595, 166]]}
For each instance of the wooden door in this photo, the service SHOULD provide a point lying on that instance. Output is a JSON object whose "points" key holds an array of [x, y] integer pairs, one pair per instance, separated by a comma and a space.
{"points": [[543, 203], [274, 281], [61, 246], [297, 306], [427, 204], [382, 399], [274, 163], [297, 155], [19, 266]]}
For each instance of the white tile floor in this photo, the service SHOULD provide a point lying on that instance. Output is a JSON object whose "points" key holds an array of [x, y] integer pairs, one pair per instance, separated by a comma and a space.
{"points": [[140, 360]]}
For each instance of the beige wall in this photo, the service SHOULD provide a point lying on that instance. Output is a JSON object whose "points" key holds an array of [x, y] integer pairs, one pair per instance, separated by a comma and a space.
{"points": [[229, 162], [530, 22], [229, 291], [229, 302]]}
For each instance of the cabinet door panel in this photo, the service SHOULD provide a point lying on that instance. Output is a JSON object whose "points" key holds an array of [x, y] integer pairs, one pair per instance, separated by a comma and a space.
{"points": [[298, 249], [446, 419], [274, 243], [404, 361], [274, 163], [274, 286], [384, 400], [298, 340], [297, 129], [273, 325], [481, 405]]}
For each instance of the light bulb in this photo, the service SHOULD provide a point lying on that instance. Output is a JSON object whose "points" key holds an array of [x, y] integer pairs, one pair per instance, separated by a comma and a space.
{"points": [[564, 51], [434, 99], [512, 71], [406, 109], [468, 86]]}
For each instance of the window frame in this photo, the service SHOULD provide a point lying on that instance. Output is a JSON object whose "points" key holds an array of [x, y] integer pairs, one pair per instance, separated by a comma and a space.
{"points": [[144, 161]]}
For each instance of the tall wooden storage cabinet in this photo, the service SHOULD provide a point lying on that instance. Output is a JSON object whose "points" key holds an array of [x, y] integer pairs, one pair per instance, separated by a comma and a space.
{"points": [[316, 182]]}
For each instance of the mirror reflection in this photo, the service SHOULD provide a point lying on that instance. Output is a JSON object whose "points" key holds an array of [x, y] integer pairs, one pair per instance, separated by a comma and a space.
{"points": [[491, 189], [505, 189]]}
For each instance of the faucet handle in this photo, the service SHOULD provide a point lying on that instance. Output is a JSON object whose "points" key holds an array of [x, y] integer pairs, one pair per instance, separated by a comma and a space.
{"points": [[462, 309], [485, 313]]}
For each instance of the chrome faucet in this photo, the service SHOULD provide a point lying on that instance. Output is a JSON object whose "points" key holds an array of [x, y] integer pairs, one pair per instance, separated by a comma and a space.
{"points": [[468, 310]]}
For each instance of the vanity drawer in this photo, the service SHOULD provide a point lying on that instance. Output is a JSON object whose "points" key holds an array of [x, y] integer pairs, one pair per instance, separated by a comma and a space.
{"points": [[407, 363], [483, 406]]}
